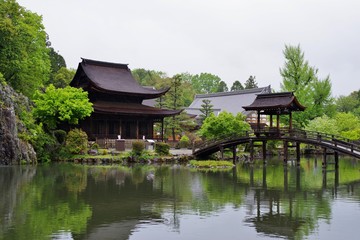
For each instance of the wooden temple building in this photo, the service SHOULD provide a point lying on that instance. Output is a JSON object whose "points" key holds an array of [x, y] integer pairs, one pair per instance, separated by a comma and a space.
{"points": [[118, 102]]}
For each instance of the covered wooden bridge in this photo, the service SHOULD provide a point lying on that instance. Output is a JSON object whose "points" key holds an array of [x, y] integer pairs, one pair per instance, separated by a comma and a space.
{"points": [[274, 105]]}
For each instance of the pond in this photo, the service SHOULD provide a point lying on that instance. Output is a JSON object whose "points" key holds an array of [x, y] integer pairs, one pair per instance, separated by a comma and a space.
{"points": [[65, 201]]}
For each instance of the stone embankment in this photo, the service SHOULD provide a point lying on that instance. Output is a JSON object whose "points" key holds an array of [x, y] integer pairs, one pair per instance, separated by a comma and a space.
{"points": [[13, 150]]}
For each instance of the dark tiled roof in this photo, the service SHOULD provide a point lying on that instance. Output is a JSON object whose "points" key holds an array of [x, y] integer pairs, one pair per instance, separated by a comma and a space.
{"points": [[131, 109], [112, 77], [275, 103]]}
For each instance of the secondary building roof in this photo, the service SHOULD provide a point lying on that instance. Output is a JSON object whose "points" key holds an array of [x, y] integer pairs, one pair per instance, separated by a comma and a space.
{"points": [[227, 101]]}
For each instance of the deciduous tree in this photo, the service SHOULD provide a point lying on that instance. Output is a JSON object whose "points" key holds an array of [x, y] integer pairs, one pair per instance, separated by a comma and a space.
{"points": [[24, 56], [224, 123], [57, 105], [314, 93]]}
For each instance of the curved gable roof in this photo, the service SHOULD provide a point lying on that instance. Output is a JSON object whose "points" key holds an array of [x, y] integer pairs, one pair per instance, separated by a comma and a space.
{"points": [[112, 77], [275, 103]]}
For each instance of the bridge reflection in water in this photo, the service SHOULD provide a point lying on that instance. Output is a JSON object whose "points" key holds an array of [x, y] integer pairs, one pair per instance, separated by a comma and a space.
{"points": [[276, 211]]}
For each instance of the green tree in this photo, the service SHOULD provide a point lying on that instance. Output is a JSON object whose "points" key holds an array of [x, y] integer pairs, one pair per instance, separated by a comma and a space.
{"points": [[24, 56], [206, 109], [62, 77], [205, 83], [302, 79], [224, 123], [251, 83], [349, 103], [348, 125], [58, 105], [222, 87], [148, 77], [323, 124], [237, 86]]}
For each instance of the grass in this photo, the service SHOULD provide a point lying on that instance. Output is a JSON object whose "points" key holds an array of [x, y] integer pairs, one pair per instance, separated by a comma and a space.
{"points": [[211, 164]]}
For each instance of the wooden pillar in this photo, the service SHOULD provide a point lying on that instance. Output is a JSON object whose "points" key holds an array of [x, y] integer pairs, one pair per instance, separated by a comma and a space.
{"points": [[264, 150], [324, 163], [120, 127], [222, 152], [277, 121], [271, 120], [137, 129], [298, 178], [162, 129], [258, 120], [234, 154], [285, 178], [285, 151], [251, 151], [290, 120], [264, 177], [297, 153], [336, 156]]}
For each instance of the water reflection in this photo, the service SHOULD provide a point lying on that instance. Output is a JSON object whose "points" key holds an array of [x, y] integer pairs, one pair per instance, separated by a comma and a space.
{"points": [[124, 202]]}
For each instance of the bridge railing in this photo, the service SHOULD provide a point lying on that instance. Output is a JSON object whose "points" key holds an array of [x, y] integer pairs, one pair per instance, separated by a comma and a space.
{"points": [[222, 138], [282, 133]]}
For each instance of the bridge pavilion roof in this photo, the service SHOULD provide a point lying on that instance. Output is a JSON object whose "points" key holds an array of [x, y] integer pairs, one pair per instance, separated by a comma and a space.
{"points": [[275, 103]]}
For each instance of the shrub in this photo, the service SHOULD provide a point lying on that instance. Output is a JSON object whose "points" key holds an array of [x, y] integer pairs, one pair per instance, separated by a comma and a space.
{"points": [[138, 147], [184, 142], [60, 136], [76, 141], [162, 148]]}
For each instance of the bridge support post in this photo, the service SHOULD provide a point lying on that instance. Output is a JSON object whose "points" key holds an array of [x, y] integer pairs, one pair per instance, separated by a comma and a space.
{"points": [[324, 163], [336, 156], [285, 152], [251, 151], [222, 152], [298, 154], [264, 151], [234, 154]]}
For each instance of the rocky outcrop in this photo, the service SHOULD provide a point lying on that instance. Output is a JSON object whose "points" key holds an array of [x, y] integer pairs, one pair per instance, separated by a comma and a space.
{"points": [[13, 149]]}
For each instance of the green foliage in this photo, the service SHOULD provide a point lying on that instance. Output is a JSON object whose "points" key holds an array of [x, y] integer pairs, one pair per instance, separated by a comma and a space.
{"points": [[236, 86], [302, 79], [60, 136], [222, 87], [61, 105], [251, 83], [24, 58], [211, 164], [205, 83], [138, 147], [349, 103], [76, 141], [224, 123], [184, 142], [162, 148], [62, 77], [206, 109], [343, 124]]}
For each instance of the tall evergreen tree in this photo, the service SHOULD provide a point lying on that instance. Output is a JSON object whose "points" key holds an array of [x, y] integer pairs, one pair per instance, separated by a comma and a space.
{"points": [[222, 87], [237, 86], [251, 83], [206, 109]]}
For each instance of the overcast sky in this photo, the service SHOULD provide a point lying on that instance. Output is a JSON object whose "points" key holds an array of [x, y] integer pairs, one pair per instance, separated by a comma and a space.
{"points": [[232, 39]]}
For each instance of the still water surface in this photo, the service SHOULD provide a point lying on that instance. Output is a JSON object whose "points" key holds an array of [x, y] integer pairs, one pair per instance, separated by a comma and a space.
{"points": [[64, 201]]}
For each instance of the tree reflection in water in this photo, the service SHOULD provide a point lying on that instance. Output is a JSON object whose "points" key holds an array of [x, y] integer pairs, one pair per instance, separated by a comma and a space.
{"points": [[116, 202]]}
